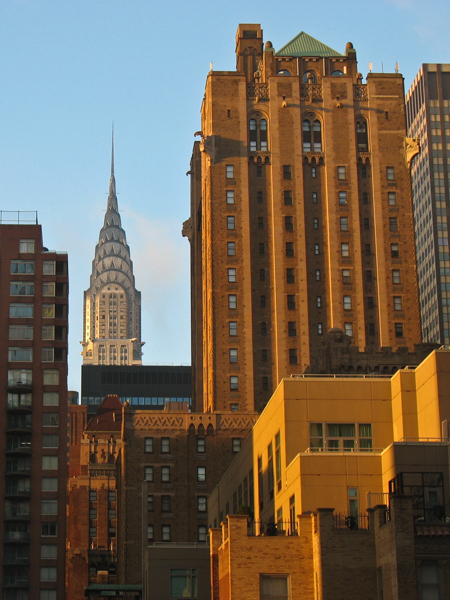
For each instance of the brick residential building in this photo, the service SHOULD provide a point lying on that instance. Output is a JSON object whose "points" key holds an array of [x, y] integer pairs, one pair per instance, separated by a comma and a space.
{"points": [[33, 377], [301, 217]]}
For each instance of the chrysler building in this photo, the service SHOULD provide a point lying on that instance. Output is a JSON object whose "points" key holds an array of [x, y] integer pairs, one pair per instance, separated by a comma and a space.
{"points": [[112, 304]]}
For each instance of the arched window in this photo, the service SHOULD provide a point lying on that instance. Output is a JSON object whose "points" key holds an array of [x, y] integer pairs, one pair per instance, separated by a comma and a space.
{"points": [[309, 77], [312, 135], [257, 135], [317, 136], [283, 72], [101, 355], [113, 355], [361, 135], [337, 73], [306, 136]]}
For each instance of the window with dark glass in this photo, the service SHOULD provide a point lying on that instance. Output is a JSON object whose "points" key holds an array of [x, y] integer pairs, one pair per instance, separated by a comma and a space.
{"points": [[346, 278], [291, 302], [292, 329], [395, 253], [290, 249], [293, 356], [288, 197], [262, 274], [290, 276], [393, 224], [361, 135], [289, 223], [287, 174], [398, 330]]}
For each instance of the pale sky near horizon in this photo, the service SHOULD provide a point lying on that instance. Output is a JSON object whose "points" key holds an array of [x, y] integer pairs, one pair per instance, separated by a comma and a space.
{"points": [[68, 69]]}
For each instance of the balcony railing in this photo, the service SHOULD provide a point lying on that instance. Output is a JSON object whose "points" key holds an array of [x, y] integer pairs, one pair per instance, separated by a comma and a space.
{"points": [[18, 217], [23, 423], [20, 445], [270, 529], [17, 514], [16, 536], [18, 490], [353, 522]]}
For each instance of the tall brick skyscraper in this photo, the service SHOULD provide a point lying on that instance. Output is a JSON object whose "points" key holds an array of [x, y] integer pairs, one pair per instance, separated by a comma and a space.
{"points": [[301, 217]]}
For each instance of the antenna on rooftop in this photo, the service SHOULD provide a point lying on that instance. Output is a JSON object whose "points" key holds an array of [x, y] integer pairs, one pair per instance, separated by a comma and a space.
{"points": [[370, 67], [210, 66], [382, 70], [397, 67]]}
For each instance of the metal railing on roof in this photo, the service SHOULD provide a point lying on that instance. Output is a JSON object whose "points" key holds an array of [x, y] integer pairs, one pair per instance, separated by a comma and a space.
{"points": [[18, 217], [342, 375]]}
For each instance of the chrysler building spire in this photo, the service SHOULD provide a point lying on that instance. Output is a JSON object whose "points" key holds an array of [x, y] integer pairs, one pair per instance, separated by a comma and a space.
{"points": [[112, 304]]}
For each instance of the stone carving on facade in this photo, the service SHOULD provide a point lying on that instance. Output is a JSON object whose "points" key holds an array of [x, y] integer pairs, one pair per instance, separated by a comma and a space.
{"points": [[315, 157], [260, 157], [360, 93], [311, 92], [186, 230], [412, 148], [236, 421], [258, 91], [149, 421]]}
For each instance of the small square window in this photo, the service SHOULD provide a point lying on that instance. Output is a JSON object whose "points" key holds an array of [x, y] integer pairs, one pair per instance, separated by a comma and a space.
{"points": [[233, 327], [231, 222], [287, 174], [347, 300], [165, 445], [395, 252], [288, 197], [397, 303], [293, 360], [290, 275], [342, 198], [232, 275], [345, 250], [390, 173], [165, 474], [392, 198], [230, 196], [230, 171], [233, 355], [148, 473], [232, 301], [346, 277], [291, 302], [201, 474], [234, 407], [290, 249], [292, 329], [231, 248], [26, 246], [47, 354], [48, 267], [341, 173], [201, 445], [344, 223], [148, 444], [399, 330], [48, 289], [289, 223]]}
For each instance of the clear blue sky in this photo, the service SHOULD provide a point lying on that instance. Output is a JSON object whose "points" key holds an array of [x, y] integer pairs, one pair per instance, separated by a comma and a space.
{"points": [[68, 69]]}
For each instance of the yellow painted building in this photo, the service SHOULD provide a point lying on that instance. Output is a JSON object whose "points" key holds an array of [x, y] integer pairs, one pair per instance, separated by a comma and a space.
{"points": [[338, 442]]}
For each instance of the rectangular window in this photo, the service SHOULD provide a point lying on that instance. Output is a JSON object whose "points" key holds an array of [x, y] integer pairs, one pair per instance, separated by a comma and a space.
{"points": [[183, 583], [233, 327], [21, 288], [262, 301], [395, 252], [265, 383], [342, 198], [165, 445], [258, 170], [396, 276], [20, 354], [231, 224], [231, 248], [26, 246], [318, 275], [148, 444], [48, 332], [50, 419], [390, 173], [50, 440], [289, 223], [47, 354], [234, 383], [344, 223], [49, 528], [345, 250], [341, 173], [291, 302], [399, 330], [236, 444], [347, 302], [292, 329], [232, 301], [165, 474], [49, 551], [346, 278], [370, 304], [393, 224], [397, 303], [316, 249], [232, 275], [320, 328], [48, 289], [49, 484], [287, 197], [21, 332], [50, 399], [111, 496], [50, 463], [259, 197], [201, 474], [316, 223], [261, 222], [290, 249], [314, 197], [293, 360], [261, 248], [49, 507], [313, 172], [202, 533], [392, 198], [230, 171], [230, 196], [263, 328], [319, 301], [369, 275], [21, 311], [150, 502], [148, 473], [365, 198], [201, 445], [278, 460], [48, 573], [366, 223], [150, 532], [287, 174], [262, 274], [165, 503], [233, 355], [264, 354], [290, 275], [201, 503], [371, 329], [48, 311], [348, 329], [25, 267], [367, 250], [48, 267]]}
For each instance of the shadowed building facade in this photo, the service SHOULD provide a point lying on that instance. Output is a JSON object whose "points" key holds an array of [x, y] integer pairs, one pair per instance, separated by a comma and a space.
{"points": [[112, 304], [301, 217]]}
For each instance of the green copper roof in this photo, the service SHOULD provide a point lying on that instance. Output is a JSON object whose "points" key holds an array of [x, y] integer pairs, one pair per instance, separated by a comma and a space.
{"points": [[305, 45]]}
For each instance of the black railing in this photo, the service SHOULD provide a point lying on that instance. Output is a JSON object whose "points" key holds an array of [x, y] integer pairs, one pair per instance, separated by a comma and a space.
{"points": [[352, 522], [270, 529]]}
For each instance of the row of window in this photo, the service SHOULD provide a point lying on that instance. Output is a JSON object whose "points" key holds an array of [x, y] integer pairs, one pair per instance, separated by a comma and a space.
{"points": [[23, 400], [149, 472], [26, 288], [166, 536], [26, 267], [166, 503], [25, 376], [26, 354], [340, 436]]}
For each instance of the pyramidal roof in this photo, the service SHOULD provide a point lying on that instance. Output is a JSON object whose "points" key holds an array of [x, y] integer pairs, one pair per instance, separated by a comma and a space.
{"points": [[305, 45]]}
